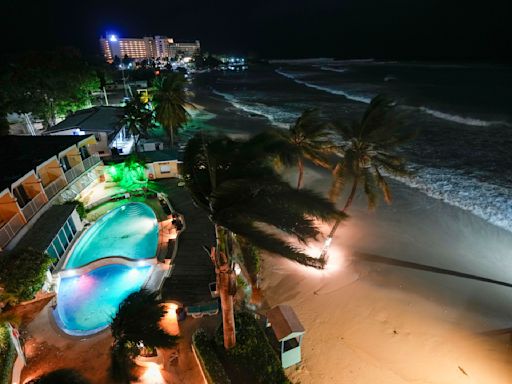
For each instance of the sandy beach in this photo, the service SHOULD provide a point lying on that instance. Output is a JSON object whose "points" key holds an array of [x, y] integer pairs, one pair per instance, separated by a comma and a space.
{"points": [[369, 322]]}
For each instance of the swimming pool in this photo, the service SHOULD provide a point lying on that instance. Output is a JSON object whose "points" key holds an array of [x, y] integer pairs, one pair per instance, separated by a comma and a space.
{"points": [[87, 303], [130, 230]]}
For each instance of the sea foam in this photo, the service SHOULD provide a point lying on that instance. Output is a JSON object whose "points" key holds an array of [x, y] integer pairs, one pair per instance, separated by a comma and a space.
{"points": [[485, 200], [277, 117], [461, 119], [339, 92], [332, 69]]}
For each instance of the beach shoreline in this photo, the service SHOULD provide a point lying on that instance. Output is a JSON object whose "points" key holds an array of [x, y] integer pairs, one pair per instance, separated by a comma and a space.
{"points": [[370, 322]]}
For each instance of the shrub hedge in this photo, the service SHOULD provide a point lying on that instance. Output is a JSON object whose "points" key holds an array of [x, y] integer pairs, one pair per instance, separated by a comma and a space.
{"points": [[205, 348], [7, 355], [253, 352]]}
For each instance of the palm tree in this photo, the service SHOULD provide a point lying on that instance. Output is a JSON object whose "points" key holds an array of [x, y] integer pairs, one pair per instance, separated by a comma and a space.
{"points": [[170, 102], [307, 139], [368, 152], [245, 198], [138, 118], [61, 376], [136, 325]]}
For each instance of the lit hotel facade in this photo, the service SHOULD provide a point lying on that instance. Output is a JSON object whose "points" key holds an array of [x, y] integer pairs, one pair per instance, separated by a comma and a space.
{"points": [[146, 48]]}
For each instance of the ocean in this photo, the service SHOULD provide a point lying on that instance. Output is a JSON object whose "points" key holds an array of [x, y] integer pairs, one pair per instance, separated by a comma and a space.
{"points": [[463, 113]]}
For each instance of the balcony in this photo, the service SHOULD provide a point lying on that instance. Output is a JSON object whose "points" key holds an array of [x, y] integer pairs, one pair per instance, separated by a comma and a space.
{"points": [[10, 229], [91, 161], [73, 173], [55, 186], [33, 206]]}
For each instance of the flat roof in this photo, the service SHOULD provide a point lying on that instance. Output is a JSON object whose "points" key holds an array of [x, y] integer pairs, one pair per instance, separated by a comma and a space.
{"points": [[21, 154], [95, 119], [46, 228], [162, 155]]}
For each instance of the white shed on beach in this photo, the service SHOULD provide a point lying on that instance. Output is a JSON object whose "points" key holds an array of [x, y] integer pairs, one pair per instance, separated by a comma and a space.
{"points": [[289, 331]]}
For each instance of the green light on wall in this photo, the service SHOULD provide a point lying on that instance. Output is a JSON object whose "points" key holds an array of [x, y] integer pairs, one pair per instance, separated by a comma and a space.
{"points": [[130, 175]]}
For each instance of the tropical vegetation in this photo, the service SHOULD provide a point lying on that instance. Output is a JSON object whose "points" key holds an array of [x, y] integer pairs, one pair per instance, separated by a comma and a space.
{"points": [[235, 182], [207, 353], [138, 118], [368, 153], [309, 138], [136, 329], [46, 84], [61, 376], [22, 274], [7, 355], [170, 101], [253, 359]]}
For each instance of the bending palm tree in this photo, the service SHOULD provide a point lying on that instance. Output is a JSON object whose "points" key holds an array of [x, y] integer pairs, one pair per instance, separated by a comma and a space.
{"points": [[367, 153], [138, 119], [170, 101], [245, 198], [136, 325], [307, 139]]}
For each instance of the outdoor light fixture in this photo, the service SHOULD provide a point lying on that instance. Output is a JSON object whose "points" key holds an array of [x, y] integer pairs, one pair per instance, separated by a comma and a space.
{"points": [[113, 38]]}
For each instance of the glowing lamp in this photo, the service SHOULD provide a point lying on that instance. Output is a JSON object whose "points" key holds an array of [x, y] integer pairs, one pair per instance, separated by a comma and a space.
{"points": [[113, 38]]}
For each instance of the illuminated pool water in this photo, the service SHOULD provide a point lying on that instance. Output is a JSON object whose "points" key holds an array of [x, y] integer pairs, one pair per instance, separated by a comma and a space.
{"points": [[130, 230], [87, 303]]}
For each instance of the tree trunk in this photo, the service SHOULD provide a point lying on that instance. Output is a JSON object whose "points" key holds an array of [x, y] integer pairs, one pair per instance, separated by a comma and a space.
{"points": [[300, 164], [224, 272], [348, 203], [172, 136]]}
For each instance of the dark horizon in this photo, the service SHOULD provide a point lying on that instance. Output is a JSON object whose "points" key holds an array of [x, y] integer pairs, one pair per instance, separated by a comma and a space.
{"points": [[393, 29]]}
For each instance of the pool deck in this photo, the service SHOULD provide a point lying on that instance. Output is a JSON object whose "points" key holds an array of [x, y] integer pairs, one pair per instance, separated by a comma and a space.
{"points": [[192, 268]]}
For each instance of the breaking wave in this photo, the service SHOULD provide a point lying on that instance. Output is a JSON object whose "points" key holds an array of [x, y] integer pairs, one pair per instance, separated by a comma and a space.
{"points": [[461, 119], [331, 69], [334, 91], [365, 99], [277, 117], [485, 200]]}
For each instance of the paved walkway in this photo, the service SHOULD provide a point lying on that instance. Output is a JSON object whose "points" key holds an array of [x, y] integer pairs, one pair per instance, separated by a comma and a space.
{"points": [[193, 269]]}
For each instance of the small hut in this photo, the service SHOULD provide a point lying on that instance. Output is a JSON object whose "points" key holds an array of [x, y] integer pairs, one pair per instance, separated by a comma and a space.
{"points": [[288, 331]]}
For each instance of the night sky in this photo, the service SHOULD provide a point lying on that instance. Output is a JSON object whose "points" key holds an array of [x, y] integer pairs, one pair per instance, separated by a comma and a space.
{"points": [[401, 29]]}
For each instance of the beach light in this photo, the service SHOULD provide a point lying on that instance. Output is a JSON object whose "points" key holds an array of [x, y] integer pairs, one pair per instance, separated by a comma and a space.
{"points": [[152, 375]]}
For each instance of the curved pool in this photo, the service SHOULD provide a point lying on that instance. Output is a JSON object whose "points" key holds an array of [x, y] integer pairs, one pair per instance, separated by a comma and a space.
{"points": [[130, 230], [86, 304]]}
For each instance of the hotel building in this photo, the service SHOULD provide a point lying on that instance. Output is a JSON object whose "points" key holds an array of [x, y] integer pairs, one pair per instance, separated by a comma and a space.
{"points": [[38, 174], [146, 48]]}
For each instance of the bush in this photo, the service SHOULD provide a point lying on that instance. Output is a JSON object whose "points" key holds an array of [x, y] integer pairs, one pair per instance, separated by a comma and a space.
{"points": [[61, 376], [7, 355], [80, 208], [22, 273], [253, 353], [205, 349]]}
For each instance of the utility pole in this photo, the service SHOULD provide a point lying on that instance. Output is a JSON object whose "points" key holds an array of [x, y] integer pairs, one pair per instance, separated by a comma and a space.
{"points": [[105, 95]]}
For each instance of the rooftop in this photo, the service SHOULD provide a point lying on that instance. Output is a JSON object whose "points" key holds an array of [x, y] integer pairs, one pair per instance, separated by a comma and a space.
{"points": [[284, 321], [46, 228], [21, 154], [95, 119]]}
